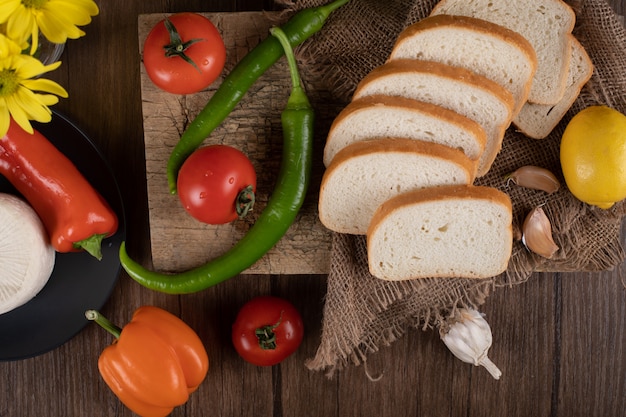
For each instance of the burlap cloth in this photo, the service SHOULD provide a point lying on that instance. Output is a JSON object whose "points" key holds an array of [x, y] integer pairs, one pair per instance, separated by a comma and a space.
{"points": [[361, 313]]}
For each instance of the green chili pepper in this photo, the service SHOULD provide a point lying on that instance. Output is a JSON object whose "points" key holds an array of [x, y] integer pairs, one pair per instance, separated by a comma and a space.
{"points": [[278, 215], [299, 28]]}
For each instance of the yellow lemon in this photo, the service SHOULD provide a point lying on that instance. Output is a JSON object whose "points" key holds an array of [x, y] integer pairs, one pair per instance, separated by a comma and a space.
{"points": [[593, 156]]}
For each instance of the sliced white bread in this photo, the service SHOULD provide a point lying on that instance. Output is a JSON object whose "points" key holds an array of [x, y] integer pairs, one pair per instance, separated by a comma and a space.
{"points": [[451, 231], [384, 116], [364, 174], [546, 24], [491, 50], [457, 89], [538, 120]]}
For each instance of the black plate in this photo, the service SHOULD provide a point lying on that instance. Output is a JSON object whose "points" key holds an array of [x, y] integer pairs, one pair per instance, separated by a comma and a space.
{"points": [[79, 281]]}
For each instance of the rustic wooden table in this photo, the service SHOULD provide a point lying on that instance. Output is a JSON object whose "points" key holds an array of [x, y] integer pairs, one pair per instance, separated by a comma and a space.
{"points": [[559, 338]]}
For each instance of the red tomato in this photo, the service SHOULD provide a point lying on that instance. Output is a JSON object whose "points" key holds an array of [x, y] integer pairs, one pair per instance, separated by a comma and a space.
{"points": [[267, 330], [200, 42], [216, 184]]}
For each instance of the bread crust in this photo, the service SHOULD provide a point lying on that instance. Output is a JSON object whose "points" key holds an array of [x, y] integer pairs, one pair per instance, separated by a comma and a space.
{"points": [[441, 193], [400, 145], [383, 146], [471, 23], [484, 27], [540, 94], [455, 74], [548, 116], [427, 109], [444, 192], [458, 74]]}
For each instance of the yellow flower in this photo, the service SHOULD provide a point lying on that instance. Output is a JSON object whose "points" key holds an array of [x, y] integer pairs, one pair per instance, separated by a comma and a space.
{"points": [[58, 20], [23, 95]]}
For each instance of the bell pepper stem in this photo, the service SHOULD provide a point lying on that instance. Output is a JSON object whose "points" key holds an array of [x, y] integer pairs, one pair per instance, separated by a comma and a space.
{"points": [[105, 323], [92, 245]]}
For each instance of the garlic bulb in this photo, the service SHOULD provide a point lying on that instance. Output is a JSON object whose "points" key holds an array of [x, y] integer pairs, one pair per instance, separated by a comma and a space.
{"points": [[469, 339]]}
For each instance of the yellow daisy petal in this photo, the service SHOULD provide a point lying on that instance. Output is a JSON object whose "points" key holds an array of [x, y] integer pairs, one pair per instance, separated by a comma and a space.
{"points": [[58, 28], [18, 114], [5, 118], [22, 100], [41, 100], [25, 66], [79, 11], [51, 67], [8, 47], [32, 106], [57, 20], [45, 86], [47, 99], [24, 94], [7, 7], [28, 67], [20, 25]]}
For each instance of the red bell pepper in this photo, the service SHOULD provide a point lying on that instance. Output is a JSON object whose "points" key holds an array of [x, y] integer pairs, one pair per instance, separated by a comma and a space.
{"points": [[75, 215]]}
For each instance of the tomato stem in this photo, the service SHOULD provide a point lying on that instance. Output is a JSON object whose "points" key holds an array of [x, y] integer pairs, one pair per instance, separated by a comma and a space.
{"points": [[105, 323], [245, 201], [266, 335], [176, 47]]}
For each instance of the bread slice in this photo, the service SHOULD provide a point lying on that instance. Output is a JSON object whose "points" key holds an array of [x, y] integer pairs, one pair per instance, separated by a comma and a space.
{"points": [[445, 232], [383, 116], [491, 50], [457, 89], [538, 120], [546, 24], [364, 174]]}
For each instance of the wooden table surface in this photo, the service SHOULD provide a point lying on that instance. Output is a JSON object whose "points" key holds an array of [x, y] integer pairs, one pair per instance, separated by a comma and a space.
{"points": [[560, 338]]}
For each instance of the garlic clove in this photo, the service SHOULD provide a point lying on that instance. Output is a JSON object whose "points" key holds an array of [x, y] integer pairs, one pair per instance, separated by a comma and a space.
{"points": [[535, 177], [469, 339], [537, 234]]}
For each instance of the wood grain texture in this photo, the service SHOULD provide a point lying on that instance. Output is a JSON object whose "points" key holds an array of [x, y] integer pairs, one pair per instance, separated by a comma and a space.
{"points": [[559, 338], [179, 242]]}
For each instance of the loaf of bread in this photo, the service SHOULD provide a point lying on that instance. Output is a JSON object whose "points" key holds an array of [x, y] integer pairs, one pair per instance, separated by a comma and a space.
{"points": [[457, 89], [384, 116], [486, 48], [402, 157], [538, 120], [449, 231], [546, 24], [367, 173]]}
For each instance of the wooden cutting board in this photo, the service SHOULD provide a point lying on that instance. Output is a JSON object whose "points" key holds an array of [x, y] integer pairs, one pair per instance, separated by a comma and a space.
{"points": [[178, 241]]}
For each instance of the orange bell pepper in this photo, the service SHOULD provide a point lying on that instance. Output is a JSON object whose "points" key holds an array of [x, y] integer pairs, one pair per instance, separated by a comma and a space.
{"points": [[156, 361]]}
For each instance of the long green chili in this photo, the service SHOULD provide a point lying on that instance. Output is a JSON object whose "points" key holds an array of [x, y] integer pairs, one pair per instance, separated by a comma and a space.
{"points": [[298, 28], [280, 212]]}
